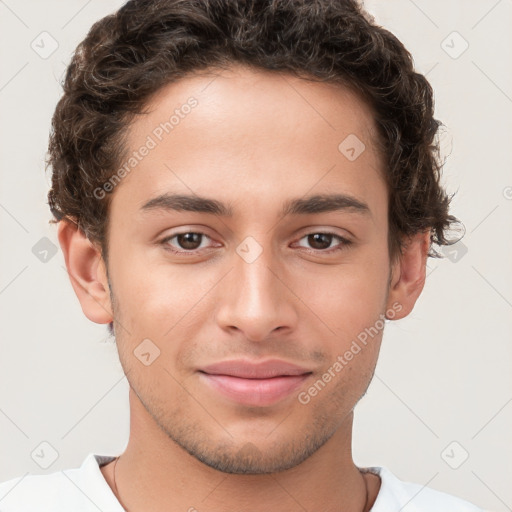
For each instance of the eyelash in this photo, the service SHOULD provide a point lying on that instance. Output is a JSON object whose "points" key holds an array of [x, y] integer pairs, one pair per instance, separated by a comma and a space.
{"points": [[345, 243]]}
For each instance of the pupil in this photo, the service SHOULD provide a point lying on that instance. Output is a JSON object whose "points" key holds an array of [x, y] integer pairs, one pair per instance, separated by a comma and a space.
{"points": [[313, 239]]}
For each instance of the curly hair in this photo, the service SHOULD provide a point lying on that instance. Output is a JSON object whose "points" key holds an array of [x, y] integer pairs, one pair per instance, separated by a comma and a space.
{"points": [[128, 56]]}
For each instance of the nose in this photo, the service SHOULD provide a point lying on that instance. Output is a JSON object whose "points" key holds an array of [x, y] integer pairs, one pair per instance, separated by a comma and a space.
{"points": [[255, 299]]}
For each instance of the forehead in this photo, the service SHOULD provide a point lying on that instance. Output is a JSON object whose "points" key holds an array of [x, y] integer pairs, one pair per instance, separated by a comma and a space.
{"points": [[256, 136]]}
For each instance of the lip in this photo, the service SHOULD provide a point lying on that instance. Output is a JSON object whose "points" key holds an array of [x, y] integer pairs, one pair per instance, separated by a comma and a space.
{"points": [[254, 384], [246, 369]]}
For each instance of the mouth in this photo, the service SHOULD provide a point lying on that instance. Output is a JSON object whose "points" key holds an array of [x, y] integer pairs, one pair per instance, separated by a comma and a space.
{"points": [[254, 384]]}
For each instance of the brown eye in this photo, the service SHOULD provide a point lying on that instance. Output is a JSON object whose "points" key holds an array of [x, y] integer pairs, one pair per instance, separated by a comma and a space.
{"points": [[184, 242], [189, 241], [322, 242]]}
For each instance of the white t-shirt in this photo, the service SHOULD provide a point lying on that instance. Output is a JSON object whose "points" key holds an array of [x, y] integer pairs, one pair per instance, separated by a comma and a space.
{"points": [[84, 489]]}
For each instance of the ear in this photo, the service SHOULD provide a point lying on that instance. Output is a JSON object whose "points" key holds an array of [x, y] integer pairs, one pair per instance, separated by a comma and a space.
{"points": [[87, 272], [408, 274]]}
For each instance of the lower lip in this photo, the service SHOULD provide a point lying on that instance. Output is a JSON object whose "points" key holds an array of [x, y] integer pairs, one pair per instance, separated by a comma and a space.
{"points": [[255, 392]]}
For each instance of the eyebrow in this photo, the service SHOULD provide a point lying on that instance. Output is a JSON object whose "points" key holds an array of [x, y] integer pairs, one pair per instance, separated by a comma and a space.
{"points": [[319, 203]]}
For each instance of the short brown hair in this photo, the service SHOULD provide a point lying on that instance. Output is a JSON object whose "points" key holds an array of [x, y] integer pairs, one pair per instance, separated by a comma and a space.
{"points": [[129, 55]]}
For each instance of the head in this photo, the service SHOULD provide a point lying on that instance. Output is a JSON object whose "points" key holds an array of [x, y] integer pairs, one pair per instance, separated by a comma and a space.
{"points": [[293, 118]]}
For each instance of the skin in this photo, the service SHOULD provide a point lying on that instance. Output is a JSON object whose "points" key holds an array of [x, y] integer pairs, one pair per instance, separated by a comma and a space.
{"points": [[255, 140]]}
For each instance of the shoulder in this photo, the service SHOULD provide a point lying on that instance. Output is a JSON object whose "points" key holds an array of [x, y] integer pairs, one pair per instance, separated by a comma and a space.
{"points": [[395, 494], [82, 488]]}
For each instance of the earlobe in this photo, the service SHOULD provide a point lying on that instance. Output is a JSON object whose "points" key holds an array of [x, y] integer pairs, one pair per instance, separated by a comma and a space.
{"points": [[408, 274], [86, 271]]}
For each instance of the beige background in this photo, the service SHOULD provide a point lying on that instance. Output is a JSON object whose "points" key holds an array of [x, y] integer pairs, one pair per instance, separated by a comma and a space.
{"points": [[443, 385]]}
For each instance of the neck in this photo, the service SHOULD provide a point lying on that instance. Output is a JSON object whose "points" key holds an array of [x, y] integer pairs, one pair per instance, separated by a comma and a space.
{"points": [[154, 472]]}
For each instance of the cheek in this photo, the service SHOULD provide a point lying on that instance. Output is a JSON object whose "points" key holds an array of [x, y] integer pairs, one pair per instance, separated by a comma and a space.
{"points": [[146, 290], [345, 309], [347, 297], [164, 303]]}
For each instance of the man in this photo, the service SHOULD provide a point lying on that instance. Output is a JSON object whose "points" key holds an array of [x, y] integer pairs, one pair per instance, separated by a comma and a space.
{"points": [[241, 190]]}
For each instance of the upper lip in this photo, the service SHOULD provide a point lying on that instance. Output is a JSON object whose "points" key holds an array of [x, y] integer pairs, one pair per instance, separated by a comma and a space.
{"points": [[254, 370]]}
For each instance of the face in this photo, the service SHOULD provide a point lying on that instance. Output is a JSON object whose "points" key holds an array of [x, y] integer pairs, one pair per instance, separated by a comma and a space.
{"points": [[246, 278]]}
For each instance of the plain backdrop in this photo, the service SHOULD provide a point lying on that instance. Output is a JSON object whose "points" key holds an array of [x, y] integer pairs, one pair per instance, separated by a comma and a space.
{"points": [[439, 410]]}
